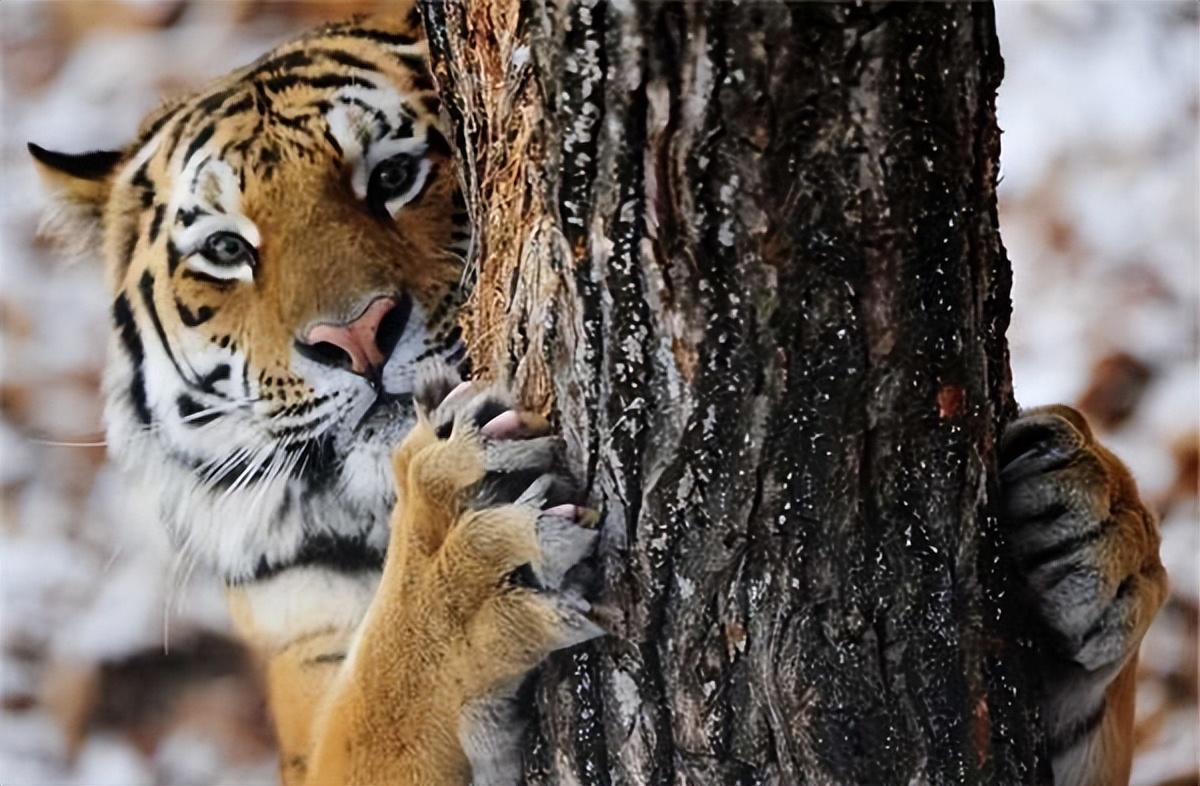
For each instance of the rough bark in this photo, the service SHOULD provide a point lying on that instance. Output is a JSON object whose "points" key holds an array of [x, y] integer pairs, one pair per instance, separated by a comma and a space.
{"points": [[749, 256]]}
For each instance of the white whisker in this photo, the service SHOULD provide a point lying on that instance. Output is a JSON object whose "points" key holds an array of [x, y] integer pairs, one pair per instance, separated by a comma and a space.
{"points": [[219, 409], [171, 601], [113, 558], [63, 443], [279, 459], [262, 456]]}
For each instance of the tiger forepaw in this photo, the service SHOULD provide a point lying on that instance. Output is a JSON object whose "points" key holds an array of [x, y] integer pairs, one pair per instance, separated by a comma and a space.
{"points": [[1083, 540], [491, 531]]}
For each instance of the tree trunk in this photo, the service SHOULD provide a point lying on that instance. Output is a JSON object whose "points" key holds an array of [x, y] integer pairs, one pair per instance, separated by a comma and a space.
{"points": [[748, 254]]}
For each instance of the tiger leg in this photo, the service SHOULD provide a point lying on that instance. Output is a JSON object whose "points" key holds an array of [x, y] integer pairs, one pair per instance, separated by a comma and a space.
{"points": [[470, 601], [298, 680], [299, 625], [1087, 548]]}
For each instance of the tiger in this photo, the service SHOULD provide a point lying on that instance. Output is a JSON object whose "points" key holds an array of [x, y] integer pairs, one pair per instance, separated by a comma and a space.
{"points": [[285, 254]]}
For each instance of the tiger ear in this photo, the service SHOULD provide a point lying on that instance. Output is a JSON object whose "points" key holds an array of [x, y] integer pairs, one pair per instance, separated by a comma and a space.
{"points": [[79, 185], [82, 178]]}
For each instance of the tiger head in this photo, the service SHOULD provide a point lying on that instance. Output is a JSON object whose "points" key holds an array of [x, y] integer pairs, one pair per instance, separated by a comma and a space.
{"points": [[283, 248]]}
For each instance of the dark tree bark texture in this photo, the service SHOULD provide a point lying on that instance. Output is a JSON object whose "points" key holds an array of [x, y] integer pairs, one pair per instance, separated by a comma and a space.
{"points": [[748, 255]]}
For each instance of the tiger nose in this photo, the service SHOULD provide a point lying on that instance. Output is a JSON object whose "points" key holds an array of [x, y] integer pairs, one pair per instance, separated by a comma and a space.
{"points": [[361, 345]]}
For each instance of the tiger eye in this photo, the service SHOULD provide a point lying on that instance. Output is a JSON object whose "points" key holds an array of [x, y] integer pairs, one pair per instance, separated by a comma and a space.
{"points": [[393, 177], [228, 249]]}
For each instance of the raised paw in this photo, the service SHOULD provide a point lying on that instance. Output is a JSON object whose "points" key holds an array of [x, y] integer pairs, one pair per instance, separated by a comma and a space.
{"points": [[491, 533], [1083, 540]]}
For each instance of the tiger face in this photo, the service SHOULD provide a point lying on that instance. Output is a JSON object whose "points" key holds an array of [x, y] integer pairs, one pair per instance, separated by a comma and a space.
{"points": [[284, 248]]}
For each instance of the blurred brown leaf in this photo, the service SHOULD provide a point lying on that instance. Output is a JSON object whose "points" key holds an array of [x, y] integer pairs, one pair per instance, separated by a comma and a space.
{"points": [[1114, 389]]}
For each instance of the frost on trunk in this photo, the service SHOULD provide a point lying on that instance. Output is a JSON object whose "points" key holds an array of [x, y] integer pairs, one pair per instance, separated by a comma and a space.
{"points": [[748, 255]]}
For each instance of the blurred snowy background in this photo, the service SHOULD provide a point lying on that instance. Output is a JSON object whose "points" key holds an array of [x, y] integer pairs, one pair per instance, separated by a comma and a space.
{"points": [[1098, 211]]}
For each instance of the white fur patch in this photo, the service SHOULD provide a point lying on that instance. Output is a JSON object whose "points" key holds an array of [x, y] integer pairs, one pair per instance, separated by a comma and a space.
{"points": [[306, 600]]}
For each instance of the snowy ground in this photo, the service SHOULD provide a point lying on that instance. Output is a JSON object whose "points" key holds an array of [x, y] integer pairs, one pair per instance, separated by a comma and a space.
{"points": [[1099, 214]]}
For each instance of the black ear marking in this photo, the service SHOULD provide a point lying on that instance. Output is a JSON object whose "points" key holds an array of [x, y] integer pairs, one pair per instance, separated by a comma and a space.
{"points": [[96, 165]]}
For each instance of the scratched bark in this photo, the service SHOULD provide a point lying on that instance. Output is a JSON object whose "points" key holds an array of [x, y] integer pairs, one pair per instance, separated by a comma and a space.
{"points": [[748, 255]]}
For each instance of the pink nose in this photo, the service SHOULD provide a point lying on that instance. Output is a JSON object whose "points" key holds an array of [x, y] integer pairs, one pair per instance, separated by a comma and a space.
{"points": [[357, 339]]}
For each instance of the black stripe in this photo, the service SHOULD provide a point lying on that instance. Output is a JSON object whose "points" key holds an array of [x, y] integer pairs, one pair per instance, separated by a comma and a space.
{"points": [[190, 409], [1078, 731], [264, 163], [123, 320], [298, 122], [241, 105], [199, 171], [141, 181], [129, 242], [377, 114], [196, 275], [1044, 517], [156, 223], [345, 554], [223, 153], [297, 58], [346, 59], [278, 84], [174, 256], [421, 80], [156, 126], [431, 103], [193, 318], [212, 103], [392, 39], [415, 60], [188, 217], [1056, 551], [402, 131], [177, 133], [319, 465], [146, 289], [288, 431], [208, 381], [328, 81], [199, 142], [333, 143]]}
